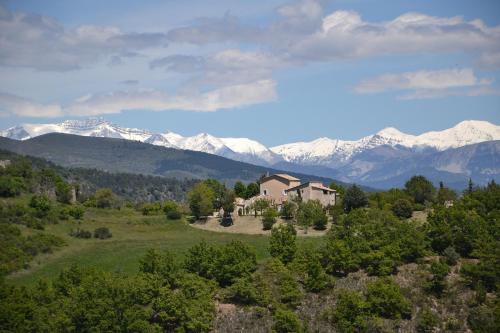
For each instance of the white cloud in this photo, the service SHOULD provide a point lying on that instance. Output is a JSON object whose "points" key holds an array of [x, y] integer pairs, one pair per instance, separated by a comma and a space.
{"points": [[15, 105], [116, 102], [428, 84], [42, 43]]}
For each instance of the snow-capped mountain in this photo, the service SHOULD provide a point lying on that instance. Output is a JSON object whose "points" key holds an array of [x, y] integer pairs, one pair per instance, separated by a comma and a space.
{"points": [[332, 153], [241, 149], [382, 159]]}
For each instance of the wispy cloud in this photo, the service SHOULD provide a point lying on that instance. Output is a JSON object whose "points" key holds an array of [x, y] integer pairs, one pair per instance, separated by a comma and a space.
{"points": [[42, 43], [116, 102], [429, 84]]}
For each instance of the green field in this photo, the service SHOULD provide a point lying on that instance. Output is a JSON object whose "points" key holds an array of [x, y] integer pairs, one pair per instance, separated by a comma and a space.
{"points": [[133, 235]]}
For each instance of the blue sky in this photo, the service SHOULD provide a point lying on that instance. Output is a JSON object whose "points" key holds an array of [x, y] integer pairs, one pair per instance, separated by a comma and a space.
{"points": [[274, 71]]}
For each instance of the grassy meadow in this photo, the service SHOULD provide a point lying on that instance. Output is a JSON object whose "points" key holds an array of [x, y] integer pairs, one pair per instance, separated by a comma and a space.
{"points": [[133, 235]]}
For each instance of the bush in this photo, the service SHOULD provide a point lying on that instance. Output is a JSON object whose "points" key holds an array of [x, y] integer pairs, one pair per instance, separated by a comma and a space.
{"points": [[485, 318], [311, 213], [80, 233], [286, 321], [104, 198], [174, 215], [354, 198], [76, 212], [151, 208], [41, 204], [436, 284], [10, 186], [426, 321], [282, 243], [242, 291], [269, 218], [451, 256], [288, 210], [385, 299], [349, 315], [102, 233], [402, 208]]}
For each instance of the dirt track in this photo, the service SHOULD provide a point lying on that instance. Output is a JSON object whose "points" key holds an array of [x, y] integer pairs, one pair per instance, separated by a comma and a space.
{"points": [[249, 225]]}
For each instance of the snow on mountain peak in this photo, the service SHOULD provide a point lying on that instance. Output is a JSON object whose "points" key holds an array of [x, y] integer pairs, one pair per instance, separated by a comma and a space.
{"points": [[321, 151]]}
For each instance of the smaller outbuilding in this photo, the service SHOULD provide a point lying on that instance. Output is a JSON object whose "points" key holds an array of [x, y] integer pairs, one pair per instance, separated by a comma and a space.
{"points": [[313, 190]]}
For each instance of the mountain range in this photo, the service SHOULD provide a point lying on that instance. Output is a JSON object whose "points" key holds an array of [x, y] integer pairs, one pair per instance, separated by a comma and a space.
{"points": [[384, 159]]}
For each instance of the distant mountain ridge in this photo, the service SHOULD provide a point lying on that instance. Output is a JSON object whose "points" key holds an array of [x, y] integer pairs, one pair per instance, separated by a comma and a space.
{"points": [[126, 156], [350, 161]]}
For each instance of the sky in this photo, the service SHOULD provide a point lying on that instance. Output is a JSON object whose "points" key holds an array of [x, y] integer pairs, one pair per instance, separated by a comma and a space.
{"points": [[273, 71]]}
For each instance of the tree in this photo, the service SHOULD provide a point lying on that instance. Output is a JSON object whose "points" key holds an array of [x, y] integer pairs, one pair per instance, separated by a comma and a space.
{"points": [[234, 260], [269, 218], [286, 321], [41, 203], [252, 190], [337, 187], [436, 284], [350, 313], [311, 213], [445, 194], [160, 263], [260, 205], [227, 202], [282, 244], [420, 189], [104, 198], [201, 199], [402, 208], [240, 189], [354, 198], [385, 299], [64, 192], [11, 186], [218, 190], [288, 210]]}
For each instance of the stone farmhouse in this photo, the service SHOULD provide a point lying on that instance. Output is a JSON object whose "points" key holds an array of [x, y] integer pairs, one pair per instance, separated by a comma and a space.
{"points": [[279, 188]]}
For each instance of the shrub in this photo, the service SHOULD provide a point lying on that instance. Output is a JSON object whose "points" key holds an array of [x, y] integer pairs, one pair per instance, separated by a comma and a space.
{"points": [[104, 198], [174, 215], [41, 204], [288, 210], [234, 260], [286, 321], [76, 212], [349, 315], [385, 299], [151, 208], [311, 213], [10, 186], [269, 218], [402, 208], [451, 256], [243, 291], [420, 189], [282, 243], [80, 233], [436, 284], [485, 318], [426, 321], [102, 233], [354, 198], [161, 263]]}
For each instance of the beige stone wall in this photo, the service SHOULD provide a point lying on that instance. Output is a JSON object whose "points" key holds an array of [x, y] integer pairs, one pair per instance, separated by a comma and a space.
{"points": [[274, 189]]}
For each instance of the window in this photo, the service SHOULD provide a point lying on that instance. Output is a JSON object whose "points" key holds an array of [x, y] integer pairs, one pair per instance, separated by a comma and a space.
{"points": [[265, 192], [325, 192]]}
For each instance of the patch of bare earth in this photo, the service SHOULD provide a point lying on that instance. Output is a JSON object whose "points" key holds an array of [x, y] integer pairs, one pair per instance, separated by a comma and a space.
{"points": [[249, 225]]}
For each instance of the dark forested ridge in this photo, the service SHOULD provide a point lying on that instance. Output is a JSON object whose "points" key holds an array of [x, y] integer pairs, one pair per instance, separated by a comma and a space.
{"points": [[116, 155], [129, 186]]}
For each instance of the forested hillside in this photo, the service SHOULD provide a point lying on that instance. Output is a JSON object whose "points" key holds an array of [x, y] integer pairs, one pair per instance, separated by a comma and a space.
{"points": [[129, 186], [116, 155], [417, 259]]}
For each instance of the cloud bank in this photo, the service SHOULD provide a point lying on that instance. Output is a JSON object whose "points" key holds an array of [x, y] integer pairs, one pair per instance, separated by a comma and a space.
{"points": [[116, 102], [429, 84]]}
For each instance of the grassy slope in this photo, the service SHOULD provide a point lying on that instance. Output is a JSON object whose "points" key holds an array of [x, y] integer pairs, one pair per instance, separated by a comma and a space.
{"points": [[133, 235]]}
